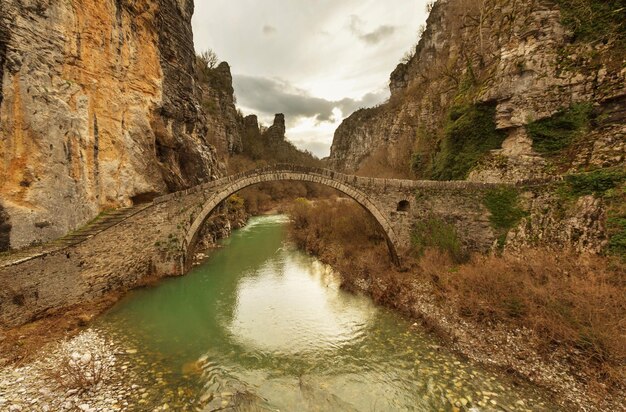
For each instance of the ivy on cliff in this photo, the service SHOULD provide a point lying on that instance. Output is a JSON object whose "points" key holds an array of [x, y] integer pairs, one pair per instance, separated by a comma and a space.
{"points": [[610, 186], [469, 134], [554, 134], [432, 232], [596, 20], [503, 204]]}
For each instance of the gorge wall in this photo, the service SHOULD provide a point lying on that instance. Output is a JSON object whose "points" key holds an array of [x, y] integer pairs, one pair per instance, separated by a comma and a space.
{"points": [[100, 107], [483, 74], [510, 91]]}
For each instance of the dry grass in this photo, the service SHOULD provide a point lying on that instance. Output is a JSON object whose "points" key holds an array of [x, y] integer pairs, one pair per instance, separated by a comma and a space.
{"points": [[336, 226], [569, 300], [81, 363]]}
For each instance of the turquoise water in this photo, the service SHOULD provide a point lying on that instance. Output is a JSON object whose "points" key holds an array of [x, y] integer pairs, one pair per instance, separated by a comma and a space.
{"points": [[262, 326]]}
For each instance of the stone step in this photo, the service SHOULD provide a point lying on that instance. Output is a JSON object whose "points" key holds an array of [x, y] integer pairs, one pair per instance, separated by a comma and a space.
{"points": [[76, 237]]}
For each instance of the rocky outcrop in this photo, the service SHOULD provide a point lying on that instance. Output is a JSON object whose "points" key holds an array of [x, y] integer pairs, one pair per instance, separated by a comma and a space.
{"points": [[278, 129], [581, 227], [99, 108], [516, 56], [218, 101]]}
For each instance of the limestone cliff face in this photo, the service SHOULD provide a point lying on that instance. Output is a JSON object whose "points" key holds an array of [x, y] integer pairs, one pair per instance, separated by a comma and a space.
{"points": [[218, 101], [516, 61], [99, 108]]}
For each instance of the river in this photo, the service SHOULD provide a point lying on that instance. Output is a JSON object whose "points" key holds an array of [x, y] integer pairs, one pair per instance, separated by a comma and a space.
{"points": [[262, 326]]}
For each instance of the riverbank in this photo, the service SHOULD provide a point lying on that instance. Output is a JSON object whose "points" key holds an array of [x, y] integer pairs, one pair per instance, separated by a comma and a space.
{"points": [[202, 342], [518, 351], [19, 345], [493, 310]]}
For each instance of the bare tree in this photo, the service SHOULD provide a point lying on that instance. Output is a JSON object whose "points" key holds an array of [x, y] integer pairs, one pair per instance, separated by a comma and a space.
{"points": [[205, 63], [209, 57]]}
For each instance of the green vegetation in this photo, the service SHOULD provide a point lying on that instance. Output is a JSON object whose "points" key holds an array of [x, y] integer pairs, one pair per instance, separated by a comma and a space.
{"points": [[609, 185], [596, 20], [552, 135], [503, 204], [597, 183], [210, 106], [470, 133], [434, 233], [235, 203], [616, 226]]}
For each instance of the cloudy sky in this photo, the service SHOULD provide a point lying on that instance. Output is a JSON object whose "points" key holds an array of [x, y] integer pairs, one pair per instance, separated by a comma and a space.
{"points": [[316, 61]]}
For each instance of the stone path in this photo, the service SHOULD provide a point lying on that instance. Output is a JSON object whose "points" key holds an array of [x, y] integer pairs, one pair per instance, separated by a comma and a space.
{"points": [[91, 229]]}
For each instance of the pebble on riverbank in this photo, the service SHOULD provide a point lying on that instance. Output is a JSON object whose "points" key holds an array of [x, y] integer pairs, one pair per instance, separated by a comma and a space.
{"points": [[72, 375]]}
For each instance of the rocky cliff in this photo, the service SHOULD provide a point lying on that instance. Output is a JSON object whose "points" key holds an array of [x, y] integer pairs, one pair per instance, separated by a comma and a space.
{"points": [[100, 108], [486, 81], [217, 98], [508, 91]]}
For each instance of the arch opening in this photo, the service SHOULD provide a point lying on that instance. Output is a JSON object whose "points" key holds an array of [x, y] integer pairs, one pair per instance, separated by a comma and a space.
{"points": [[403, 206], [232, 187]]}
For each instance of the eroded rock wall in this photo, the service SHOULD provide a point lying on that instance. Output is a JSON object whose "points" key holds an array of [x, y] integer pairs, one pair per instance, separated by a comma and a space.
{"points": [[222, 117], [516, 55], [99, 108]]}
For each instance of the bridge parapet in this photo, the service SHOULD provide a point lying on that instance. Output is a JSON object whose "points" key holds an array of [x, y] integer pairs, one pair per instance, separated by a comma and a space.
{"points": [[159, 238], [359, 181]]}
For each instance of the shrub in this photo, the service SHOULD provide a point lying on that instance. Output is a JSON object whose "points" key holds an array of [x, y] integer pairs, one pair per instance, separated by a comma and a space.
{"points": [[595, 20], [470, 133], [336, 228], [596, 183], [435, 233], [552, 135], [235, 203], [81, 363], [572, 300], [503, 205]]}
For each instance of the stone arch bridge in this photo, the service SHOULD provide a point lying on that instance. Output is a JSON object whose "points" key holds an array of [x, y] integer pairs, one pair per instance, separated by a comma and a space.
{"points": [[159, 238]]}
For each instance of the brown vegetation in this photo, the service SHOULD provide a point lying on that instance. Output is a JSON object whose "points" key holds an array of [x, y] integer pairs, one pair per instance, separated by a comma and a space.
{"points": [[570, 303], [566, 299], [265, 197]]}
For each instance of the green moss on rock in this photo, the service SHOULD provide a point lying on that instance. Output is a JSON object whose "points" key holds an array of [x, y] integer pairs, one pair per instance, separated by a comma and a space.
{"points": [[470, 133], [434, 233], [554, 134], [595, 20], [598, 182], [503, 204]]}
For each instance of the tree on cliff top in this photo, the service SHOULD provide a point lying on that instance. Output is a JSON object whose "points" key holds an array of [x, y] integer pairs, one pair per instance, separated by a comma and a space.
{"points": [[209, 58], [206, 62]]}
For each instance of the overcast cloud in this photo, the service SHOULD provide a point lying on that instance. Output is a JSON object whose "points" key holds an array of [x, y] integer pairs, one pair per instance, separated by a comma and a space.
{"points": [[317, 61]]}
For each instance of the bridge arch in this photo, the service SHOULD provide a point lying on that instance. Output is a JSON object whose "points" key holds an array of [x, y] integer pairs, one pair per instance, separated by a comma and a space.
{"points": [[338, 181]]}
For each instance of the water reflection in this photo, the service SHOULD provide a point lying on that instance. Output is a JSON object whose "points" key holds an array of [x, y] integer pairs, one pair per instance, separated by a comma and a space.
{"points": [[262, 326]]}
